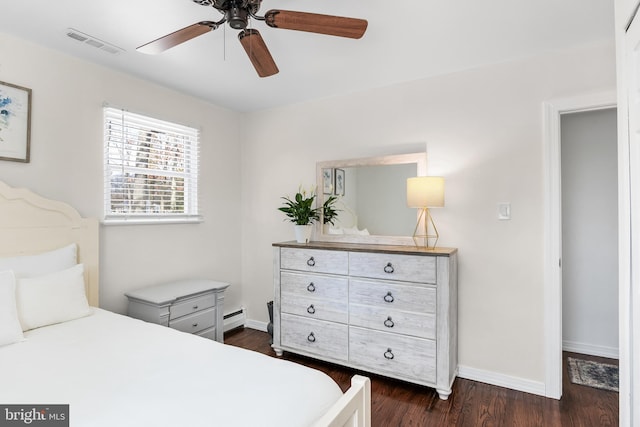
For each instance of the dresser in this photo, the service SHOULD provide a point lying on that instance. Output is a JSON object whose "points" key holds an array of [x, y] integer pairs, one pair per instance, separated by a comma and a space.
{"points": [[194, 306], [389, 310]]}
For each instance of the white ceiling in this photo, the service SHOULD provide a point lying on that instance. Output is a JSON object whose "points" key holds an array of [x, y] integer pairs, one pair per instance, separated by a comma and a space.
{"points": [[406, 40]]}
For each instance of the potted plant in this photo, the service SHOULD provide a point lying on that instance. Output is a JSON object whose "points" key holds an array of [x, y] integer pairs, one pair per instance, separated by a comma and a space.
{"points": [[329, 212], [301, 212]]}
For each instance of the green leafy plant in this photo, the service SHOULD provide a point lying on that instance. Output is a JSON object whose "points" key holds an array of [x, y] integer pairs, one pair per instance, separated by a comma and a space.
{"points": [[329, 212], [300, 210]]}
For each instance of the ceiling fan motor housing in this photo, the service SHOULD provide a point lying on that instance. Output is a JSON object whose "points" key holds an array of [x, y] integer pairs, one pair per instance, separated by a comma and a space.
{"points": [[237, 17]]}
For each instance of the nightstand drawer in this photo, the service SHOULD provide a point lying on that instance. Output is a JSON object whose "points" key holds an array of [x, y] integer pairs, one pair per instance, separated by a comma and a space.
{"points": [[196, 322], [399, 356], [317, 286], [192, 305], [315, 336], [406, 268], [181, 305], [393, 321], [208, 333], [394, 296], [314, 260], [315, 308]]}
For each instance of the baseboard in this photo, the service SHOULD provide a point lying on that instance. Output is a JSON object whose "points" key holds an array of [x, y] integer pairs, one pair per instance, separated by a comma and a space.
{"points": [[590, 349], [255, 324], [501, 380], [234, 320]]}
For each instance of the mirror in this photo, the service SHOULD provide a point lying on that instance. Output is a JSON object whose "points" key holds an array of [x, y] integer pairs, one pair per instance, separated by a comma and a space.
{"points": [[372, 204]]}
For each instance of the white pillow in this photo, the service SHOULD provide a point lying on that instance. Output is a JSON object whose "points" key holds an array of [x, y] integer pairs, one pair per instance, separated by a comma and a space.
{"points": [[52, 298], [10, 329], [43, 263]]}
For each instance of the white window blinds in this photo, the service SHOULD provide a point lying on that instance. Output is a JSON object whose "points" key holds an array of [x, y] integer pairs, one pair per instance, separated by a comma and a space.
{"points": [[151, 168]]}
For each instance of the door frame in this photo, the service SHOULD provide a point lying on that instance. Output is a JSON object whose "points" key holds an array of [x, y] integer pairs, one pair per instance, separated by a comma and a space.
{"points": [[552, 253]]}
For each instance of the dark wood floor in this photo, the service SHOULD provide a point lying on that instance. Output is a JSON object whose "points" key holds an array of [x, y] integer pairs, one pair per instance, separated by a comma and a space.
{"points": [[395, 403]]}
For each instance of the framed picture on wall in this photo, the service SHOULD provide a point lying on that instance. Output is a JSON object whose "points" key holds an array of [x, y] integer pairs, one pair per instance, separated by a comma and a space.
{"points": [[339, 185], [327, 181], [15, 122]]}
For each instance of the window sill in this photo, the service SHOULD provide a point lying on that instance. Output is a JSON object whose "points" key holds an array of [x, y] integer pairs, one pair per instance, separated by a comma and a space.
{"points": [[152, 221]]}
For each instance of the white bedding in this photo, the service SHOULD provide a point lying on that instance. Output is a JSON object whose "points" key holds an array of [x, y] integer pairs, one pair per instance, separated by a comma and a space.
{"points": [[118, 371]]}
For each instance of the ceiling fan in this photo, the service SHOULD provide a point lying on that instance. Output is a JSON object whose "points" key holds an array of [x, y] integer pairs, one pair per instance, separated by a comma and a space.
{"points": [[238, 13]]}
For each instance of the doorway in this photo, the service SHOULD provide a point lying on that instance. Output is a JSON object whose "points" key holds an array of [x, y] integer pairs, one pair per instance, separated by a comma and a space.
{"points": [[589, 183], [552, 238]]}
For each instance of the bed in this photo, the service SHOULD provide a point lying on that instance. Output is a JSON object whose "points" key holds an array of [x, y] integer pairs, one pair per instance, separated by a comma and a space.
{"points": [[114, 370]]}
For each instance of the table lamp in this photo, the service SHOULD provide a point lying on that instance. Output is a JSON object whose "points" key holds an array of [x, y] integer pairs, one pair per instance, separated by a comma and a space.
{"points": [[424, 192]]}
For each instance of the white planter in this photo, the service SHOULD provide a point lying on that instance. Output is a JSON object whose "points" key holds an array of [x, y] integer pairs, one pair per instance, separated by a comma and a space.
{"points": [[303, 233]]}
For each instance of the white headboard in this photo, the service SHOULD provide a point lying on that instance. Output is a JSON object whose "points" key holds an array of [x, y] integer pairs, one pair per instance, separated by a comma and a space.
{"points": [[30, 224]]}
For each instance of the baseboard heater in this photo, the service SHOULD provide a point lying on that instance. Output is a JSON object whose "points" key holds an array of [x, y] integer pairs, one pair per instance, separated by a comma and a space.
{"points": [[234, 320]]}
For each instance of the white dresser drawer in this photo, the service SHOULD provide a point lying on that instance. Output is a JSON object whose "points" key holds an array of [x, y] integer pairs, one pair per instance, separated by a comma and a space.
{"points": [[413, 359], [314, 308], [414, 297], [393, 321], [315, 336], [196, 322], [317, 286], [314, 260], [183, 307], [406, 268]]}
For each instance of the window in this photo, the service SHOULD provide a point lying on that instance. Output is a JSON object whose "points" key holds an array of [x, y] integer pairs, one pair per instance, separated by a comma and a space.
{"points": [[151, 169]]}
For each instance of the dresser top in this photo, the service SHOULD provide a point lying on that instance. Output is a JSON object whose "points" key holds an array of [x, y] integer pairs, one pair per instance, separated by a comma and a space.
{"points": [[166, 293], [362, 247]]}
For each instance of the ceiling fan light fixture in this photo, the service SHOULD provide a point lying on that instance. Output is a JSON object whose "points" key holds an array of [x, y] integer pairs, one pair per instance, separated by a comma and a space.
{"points": [[237, 18]]}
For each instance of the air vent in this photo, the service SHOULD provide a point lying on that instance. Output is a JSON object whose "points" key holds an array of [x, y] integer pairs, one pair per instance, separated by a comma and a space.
{"points": [[93, 42]]}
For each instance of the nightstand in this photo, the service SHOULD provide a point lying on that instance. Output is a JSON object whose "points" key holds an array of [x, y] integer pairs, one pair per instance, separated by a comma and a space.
{"points": [[194, 306]]}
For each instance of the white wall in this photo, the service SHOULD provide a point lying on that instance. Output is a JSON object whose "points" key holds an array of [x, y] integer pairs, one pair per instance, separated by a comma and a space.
{"points": [[483, 130], [66, 164], [590, 232]]}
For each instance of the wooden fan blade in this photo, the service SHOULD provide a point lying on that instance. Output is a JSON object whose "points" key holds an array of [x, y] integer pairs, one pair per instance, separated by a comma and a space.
{"points": [[177, 37], [315, 23], [258, 53]]}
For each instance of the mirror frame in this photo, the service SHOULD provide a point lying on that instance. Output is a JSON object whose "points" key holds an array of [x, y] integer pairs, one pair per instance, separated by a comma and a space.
{"points": [[420, 159]]}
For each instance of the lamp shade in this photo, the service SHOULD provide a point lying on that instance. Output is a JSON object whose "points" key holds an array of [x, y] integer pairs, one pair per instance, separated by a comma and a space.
{"points": [[425, 192]]}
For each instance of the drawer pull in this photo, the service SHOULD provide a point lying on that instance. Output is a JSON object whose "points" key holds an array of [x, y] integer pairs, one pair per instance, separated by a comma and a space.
{"points": [[389, 268], [389, 298], [311, 309], [311, 337], [389, 323], [388, 354], [311, 262], [195, 307], [311, 287], [195, 325]]}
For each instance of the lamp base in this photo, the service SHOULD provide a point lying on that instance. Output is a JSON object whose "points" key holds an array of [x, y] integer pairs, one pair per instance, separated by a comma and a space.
{"points": [[425, 219]]}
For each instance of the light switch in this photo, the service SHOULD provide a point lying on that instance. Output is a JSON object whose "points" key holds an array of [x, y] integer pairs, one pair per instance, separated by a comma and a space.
{"points": [[504, 211]]}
